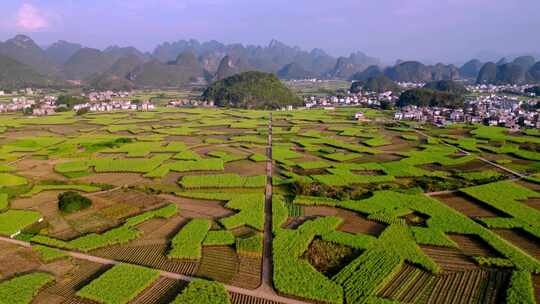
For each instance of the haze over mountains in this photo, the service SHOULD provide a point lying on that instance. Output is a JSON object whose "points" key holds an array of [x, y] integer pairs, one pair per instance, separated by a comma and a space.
{"points": [[190, 61]]}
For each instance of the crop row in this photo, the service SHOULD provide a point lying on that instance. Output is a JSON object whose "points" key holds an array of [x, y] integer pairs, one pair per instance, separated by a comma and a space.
{"points": [[11, 180], [521, 289], [187, 166], [13, 221], [47, 254], [138, 165], [119, 285], [219, 238], [250, 246], [22, 289], [40, 188], [202, 291], [142, 149], [223, 181], [226, 156], [251, 212], [187, 243]]}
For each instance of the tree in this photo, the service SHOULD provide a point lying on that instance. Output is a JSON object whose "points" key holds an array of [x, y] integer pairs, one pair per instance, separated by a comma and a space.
{"points": [[70, 101], [426, 97], [82, 111], [378, 84], [71, 201]]}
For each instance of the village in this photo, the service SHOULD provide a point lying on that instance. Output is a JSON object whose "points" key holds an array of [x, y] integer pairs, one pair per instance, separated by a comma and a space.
{"points": [[495, 105], [106, 101]]}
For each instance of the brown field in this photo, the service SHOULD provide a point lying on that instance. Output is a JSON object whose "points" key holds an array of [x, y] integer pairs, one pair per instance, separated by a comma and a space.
{"points": [[468, 205], [192, 208], [414, 285], [472, 245], [352, 222], [246, 167], [237, 298], [218, 263], [15, 259], [164, 290], [533, 186], [147, 255], [521, 239], [449, 259], [67, 285], [379, 158], [39, 170], [473, 165]]}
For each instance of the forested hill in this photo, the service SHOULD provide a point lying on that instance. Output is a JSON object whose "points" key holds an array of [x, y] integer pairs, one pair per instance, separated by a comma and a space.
{"points": [[251, 90]]}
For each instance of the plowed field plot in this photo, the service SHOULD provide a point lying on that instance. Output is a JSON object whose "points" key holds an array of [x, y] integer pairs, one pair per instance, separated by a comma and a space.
{"points": [[352, 221], [414, 285], [68, 285], [238, 298], [467, 205], [450, 259], [521, 239], [164, 290], [153, 256], [218, 263], [474, 246]]}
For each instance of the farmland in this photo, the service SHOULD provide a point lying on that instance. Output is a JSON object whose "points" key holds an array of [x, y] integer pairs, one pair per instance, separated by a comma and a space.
{"points": [[192, 205]]}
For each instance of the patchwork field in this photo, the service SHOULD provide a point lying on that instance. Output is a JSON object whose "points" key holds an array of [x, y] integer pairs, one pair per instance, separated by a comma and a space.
{"points": [[191, 205]]}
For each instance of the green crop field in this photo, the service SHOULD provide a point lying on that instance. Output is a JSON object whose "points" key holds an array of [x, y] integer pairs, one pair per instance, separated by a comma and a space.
{"points": [[119, 285], [362, 211]]}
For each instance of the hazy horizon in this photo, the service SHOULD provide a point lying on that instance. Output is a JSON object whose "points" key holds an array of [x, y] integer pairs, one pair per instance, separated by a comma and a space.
{"points": [[450, 31]]}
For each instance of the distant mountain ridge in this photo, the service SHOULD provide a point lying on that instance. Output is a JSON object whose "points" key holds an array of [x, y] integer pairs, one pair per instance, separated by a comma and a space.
{"points": [[521, 70], [189, 61]]}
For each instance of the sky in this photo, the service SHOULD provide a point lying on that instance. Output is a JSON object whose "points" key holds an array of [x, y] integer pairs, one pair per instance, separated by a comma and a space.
{"points": [[429, 30]]}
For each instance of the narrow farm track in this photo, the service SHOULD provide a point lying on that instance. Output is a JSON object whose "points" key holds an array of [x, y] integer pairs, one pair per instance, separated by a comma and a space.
{"points": [[266, 284], [269, 296], [487, 161]]}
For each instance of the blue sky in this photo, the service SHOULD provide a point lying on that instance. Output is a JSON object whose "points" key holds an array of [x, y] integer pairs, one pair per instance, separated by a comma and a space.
{"points": [[445, 30]]}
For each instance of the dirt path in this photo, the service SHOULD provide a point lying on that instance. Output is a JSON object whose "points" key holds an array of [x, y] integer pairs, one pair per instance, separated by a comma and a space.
{"points": [[487, 161], [266, 285]]}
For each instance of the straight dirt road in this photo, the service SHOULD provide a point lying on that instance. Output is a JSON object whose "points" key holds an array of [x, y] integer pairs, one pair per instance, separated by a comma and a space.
{"points": [[266, 284]]}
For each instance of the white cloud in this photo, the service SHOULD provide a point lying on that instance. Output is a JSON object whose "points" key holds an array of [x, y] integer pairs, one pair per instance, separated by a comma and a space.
{"points": [[30, 18]]}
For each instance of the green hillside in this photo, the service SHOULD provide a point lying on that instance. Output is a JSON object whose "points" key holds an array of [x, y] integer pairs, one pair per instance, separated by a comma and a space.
{"points": [[251, 90]]}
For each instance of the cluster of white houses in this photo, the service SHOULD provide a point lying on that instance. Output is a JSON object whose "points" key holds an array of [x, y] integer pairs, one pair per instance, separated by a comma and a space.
{"points": [[369, 99], [113, 105], [491, 110], [181, 103]]}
